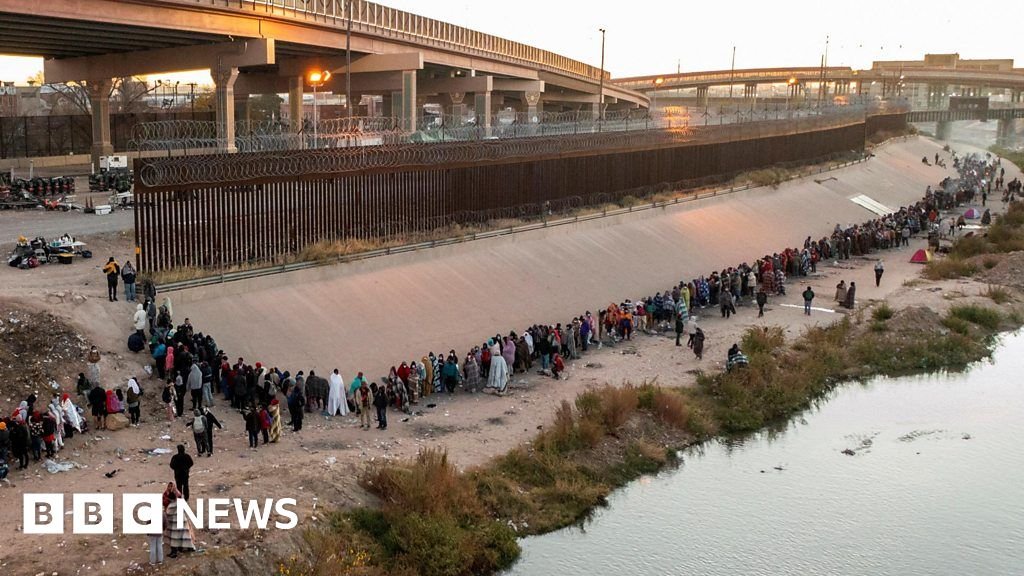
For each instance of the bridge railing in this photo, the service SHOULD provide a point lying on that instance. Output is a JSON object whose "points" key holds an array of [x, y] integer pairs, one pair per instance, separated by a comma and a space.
{"points": [[369, 17], [738, 76]]}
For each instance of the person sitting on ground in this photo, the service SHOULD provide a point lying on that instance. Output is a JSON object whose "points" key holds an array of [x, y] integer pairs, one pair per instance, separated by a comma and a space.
{"points": [[736, 358]]}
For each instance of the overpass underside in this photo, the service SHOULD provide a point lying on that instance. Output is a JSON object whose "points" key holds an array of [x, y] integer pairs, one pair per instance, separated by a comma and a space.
{"points": [[393, 64]]}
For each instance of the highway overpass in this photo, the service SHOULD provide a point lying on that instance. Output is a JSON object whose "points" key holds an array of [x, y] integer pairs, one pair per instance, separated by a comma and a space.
{"points": [[268, 46]]}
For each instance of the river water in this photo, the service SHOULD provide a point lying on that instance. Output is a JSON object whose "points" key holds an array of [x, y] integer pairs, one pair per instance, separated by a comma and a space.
{"points": [[935, 487]]}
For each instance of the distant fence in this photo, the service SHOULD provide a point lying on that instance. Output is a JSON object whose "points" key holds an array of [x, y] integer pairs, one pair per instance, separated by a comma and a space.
{"points": [[60, 135], [215, 212]]}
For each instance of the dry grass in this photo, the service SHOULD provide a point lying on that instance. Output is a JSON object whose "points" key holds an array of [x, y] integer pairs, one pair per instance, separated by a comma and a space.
{"points": [[949, 268], [998, 294], [773, 177]]}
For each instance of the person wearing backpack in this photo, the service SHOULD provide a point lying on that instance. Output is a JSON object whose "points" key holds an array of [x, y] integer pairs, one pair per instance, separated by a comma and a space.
{"points": [[199, 426], [128, 277]]}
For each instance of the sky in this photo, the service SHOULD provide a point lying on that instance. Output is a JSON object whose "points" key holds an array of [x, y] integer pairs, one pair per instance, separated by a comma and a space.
{"points": [[655, 36]]}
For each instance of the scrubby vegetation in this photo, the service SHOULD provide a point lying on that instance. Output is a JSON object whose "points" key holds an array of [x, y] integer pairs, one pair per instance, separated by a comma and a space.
{"points": [[968, 254]]}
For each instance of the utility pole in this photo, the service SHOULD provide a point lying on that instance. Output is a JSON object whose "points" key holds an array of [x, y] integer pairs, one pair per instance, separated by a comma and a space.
{"points": [[732, 72], [823, 76], [192, 98], [600, 90], [348, 59]]}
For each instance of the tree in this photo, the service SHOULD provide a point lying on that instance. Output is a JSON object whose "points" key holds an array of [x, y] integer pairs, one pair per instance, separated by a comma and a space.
{"points": [[265, 107], [126, 95]]}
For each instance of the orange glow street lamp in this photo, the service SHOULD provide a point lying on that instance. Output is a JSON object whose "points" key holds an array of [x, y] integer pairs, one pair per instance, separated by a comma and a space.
{"points": [[316, 79], [654, 94], [789, 90]]}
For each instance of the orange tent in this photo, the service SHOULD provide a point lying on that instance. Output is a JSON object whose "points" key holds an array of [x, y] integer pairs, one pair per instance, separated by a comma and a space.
{"points": [[921, 257]]}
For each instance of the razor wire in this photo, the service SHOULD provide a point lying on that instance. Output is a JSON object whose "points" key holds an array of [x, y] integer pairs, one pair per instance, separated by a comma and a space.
{"points": [[212, 169]]}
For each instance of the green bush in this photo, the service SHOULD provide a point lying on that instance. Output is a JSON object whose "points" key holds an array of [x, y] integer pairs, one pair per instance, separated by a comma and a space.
{"points": [[882, 313], [957, 325], [979, 315]]}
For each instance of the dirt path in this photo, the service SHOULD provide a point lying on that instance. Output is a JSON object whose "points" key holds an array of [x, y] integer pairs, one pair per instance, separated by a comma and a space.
{"points": [[320, 464]]}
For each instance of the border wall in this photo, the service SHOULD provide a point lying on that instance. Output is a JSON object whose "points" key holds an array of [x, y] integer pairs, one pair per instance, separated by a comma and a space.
{"points": [[224, 211]]}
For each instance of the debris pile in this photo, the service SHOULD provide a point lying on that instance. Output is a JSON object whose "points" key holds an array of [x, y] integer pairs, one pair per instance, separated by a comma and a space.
{"points": [[35, 348]]}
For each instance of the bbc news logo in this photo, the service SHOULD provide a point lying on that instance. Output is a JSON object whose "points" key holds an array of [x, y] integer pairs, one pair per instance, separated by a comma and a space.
{"points": [[143, 513]]}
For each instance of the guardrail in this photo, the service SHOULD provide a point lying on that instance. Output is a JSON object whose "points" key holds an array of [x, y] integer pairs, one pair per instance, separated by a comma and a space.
{"points": [[697, 194], [646, 83], [383, 21], [956, 115]]}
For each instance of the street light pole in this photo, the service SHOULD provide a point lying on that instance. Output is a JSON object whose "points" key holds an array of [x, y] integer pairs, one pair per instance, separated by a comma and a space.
{"points": [[348, 59], [600, 90], [732, 72], [317, 78], [654, 99]]}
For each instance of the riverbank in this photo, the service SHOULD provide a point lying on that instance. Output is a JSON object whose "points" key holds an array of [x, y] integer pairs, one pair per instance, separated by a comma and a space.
{"points": [[905, 476], [433, 520]]}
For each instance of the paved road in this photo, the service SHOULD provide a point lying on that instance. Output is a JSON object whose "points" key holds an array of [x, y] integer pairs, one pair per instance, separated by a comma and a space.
{"points": [[32, 223]]}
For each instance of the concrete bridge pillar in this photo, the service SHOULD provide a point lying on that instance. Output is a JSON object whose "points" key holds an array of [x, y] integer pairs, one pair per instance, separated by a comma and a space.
{"points": [[1016, 96], [295, 103], [750, 91], [99, 102], [407, 101], [943, 129], [224, 106], [702, 95], [482, 110], [534, 106], [1005, 130]]}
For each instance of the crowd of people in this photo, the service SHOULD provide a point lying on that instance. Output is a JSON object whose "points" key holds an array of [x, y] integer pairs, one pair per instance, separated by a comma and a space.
{"points": [[192, 367]]}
